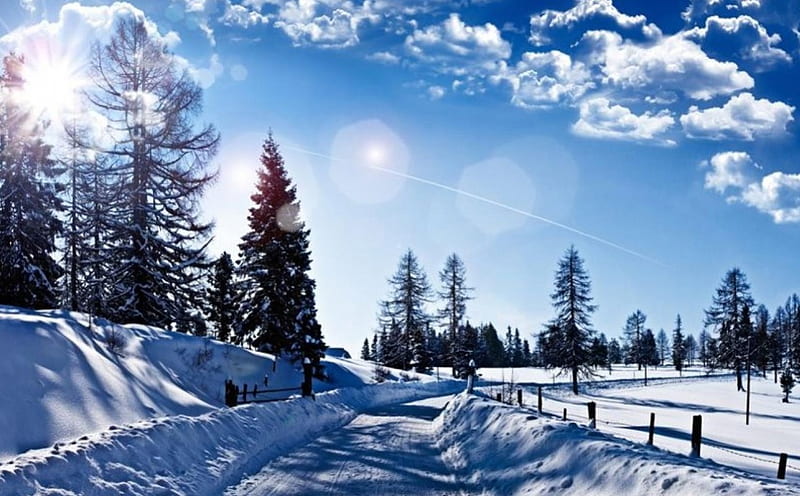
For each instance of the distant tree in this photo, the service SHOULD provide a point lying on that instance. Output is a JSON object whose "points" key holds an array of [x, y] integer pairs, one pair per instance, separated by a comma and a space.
{"points": [[277, 307], [662, 342], [494, 351], [634, 331], [365, 352], [393, 347], [703, 352], [517, 356], [787, 384], [221, 297], [760, 345], [792, 334], [464, 348], [614, 352], [690, 346], [572, 302], [454, 294], [649, 351], [29, 202], [726, 316], [410, 291], [778, 329], [373, 351], [599, 351], [678, 345]]}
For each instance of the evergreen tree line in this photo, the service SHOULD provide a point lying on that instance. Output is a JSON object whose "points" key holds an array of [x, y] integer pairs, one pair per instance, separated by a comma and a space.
{"points": [[113, 227]]}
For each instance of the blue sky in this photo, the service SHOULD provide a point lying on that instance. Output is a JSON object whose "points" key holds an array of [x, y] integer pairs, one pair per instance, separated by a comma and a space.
{"points": [[665, 128]]}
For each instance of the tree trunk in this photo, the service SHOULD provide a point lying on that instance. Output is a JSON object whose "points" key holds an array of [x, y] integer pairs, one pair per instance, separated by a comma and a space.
{"points": [[574, 380], [739, 386]]}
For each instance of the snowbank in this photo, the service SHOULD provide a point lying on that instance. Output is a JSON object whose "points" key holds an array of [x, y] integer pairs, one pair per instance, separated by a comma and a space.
{"points": [[507, 450], [60, 380], [199, 455]]}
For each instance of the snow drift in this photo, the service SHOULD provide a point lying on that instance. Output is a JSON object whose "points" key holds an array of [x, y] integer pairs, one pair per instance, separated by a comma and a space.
{"points": [[61, 380], [506, 450]]}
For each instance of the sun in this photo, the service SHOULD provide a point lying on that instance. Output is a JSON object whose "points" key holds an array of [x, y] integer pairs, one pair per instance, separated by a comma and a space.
{"points": [[51, 87]]}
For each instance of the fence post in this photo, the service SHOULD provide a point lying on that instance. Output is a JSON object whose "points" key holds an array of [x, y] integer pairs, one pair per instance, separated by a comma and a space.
{"points": [[255, 391], [697, 434], [592, 410], [500, 397], [244, 393], [565, 414], [652, 428], [782, 466], [519, 396], [307, 370], [540, 399]]}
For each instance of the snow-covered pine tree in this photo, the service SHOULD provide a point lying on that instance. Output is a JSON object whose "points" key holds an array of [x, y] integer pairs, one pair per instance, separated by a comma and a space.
{"points": [[276, 307], [572, 302], [29, 200], [160, 162], [662, 342], [405, 306], [725, 315], [221, 297], [454, 294], [678, 344], [633, 332]]}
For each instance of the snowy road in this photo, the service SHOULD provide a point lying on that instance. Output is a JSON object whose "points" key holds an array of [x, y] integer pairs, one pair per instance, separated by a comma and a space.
{"points": [[390, 450]]}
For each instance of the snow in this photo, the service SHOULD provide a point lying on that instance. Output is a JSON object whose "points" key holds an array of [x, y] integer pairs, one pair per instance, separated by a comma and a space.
{"points": [[623, 409], [61, 381], [537, 375], [498, 449]]}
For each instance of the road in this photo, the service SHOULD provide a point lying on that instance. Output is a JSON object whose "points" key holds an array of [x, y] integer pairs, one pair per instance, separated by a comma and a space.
{"points": [[387, 451]]}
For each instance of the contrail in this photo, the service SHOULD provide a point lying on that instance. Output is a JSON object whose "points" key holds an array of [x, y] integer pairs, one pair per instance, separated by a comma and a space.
{"points": [[489, 201]]}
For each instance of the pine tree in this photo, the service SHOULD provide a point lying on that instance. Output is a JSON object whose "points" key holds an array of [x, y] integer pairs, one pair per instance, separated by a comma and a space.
{"points": [[365, 353], [662, 342], [405, 306], [690, 346], [599, 351], [777, 333], [760, 346], [221, 297], [572, 303], [160, 165], [495, 354], [29, 201], [650, 354], [725, 315], [454, 294], [374, 352], [703, 352], [678, 345], [277, 309], [527, 357], [614, 352], [634, 331], [792, 335]]}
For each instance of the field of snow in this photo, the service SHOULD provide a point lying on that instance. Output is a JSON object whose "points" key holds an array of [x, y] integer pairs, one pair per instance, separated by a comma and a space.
{"points": [[619, 372], [497, 449], [61, 381], [623, 409]]}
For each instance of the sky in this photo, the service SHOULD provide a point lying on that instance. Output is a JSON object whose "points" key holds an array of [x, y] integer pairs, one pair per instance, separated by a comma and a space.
{"points": [[659, 138]]}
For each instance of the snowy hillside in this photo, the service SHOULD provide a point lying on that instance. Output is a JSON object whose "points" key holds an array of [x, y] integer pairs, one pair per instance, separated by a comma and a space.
{"points": [[517, 453], [61, 380]]}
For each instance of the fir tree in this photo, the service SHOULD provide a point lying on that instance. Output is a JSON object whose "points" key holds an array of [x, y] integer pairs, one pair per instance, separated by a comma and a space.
{"points": [[726, 316], [649, 351], [405, 306], [221, 297], [662, 342], [690, 347], [787, 384], [572, 302], [159, 164], [454, 294], [374, 352], [277, 309], [678, 345], [29, 201], [634, 331], [365, 353], [494, 351], [777, 333], [614, 352], [760, 345]]}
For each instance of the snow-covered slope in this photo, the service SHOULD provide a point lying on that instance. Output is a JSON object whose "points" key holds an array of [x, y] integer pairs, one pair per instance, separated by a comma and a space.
{"points": [[507, 450], [61, 381]]}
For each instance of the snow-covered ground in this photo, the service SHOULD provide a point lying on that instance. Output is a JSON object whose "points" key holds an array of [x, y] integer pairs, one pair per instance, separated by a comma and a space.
{"points": [[624, 410], [618, 373], [60, 381], [497, 449]]}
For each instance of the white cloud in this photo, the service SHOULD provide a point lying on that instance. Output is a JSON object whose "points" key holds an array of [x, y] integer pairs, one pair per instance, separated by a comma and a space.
{"points": [[384, 58], [28, 5], [436, 92], [546, 78], [698, 9], [242, 16], [672, 63], [456, 48], [338, 30], [206, 76], [547, 20], [600, 119], [752, 40], [776, 194], [728, 170], [742, 117]]}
